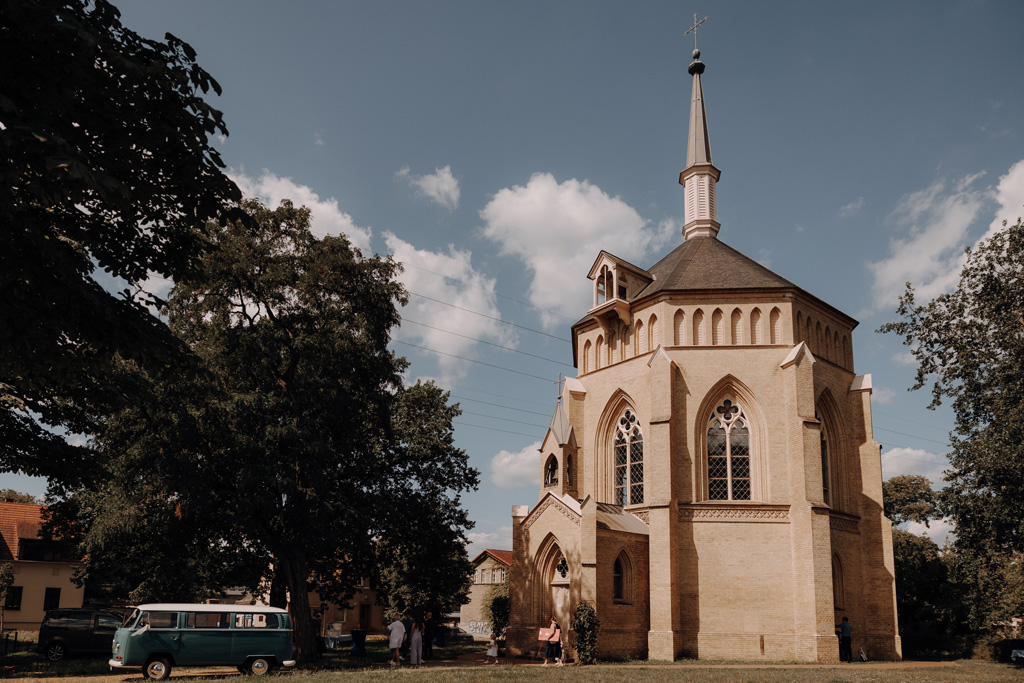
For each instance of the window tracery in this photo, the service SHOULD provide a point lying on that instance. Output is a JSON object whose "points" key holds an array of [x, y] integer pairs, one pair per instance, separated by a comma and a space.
{"points": [[629, 460], [728, 451]]}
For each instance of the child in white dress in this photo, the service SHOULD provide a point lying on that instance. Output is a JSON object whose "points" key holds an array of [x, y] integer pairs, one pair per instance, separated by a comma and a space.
{"points": [[492, 650]]}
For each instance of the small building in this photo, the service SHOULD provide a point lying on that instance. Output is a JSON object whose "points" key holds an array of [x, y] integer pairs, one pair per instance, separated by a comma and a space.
{"points": [[42, 569], [490, 572]]}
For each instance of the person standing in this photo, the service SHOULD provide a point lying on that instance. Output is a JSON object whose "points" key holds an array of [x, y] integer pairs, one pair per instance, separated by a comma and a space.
{"points": [[554, 646], [429, 631], [492, 650], [416, 643], [397, 630], [845, 640], [407, 622]]}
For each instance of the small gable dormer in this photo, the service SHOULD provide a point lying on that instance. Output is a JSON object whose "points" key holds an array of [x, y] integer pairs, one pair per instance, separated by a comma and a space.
{"points": [[616, 282]]}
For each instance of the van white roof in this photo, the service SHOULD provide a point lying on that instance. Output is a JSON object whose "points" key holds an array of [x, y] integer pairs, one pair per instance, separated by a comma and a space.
{"points": [[186, 607]]}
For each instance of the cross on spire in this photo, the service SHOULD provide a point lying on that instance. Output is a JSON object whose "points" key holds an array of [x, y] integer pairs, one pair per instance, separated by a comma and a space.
{"points": [[559, 382], [693, 29]]}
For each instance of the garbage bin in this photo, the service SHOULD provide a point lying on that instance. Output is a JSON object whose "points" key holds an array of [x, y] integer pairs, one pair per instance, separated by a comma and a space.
{"points": [[358, 642]]}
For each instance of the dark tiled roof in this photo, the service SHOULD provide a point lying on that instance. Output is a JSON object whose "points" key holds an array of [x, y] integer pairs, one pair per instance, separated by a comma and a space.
{"points": [[702, 263], [17, 520]]}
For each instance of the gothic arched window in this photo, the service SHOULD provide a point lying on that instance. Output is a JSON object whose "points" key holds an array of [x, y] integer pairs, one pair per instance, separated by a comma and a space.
{"points": [[551, 471], [826, 477], [618, 584], [728, 453], [629, 460]]}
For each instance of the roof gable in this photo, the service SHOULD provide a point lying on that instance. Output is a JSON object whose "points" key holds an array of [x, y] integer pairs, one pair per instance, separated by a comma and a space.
{"points": [[17, 521]]}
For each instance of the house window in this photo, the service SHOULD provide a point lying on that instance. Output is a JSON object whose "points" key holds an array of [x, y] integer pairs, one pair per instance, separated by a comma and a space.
{"points": [[51, 599], [629, 461], [13, 597], [728, 447]]}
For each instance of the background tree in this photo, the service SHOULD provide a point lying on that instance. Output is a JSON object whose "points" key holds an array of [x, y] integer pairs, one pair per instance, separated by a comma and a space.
{"points": [[909, 498], [969, 344], [292, 445], [105, 163], [6, 581], [12, 496], [420, 552]]}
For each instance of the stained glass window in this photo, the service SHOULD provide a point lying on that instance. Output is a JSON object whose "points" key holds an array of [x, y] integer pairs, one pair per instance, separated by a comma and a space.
{"points": [[629, 460], [728, 443]]}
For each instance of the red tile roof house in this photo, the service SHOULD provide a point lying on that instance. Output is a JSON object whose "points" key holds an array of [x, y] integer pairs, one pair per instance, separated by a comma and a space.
{"points": [[42, 572]]}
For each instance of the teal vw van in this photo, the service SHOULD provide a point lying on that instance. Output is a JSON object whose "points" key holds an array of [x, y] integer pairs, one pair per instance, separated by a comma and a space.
{"points": [[160, 636]]}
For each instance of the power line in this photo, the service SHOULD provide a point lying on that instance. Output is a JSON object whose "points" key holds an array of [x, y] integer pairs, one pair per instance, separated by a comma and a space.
{"points": [[492, 429], [478, 362], [903, 419], [507, 348], [912, 436], [521, 410], [489, 317], [490, 291], [505, 419], [452, 387]]}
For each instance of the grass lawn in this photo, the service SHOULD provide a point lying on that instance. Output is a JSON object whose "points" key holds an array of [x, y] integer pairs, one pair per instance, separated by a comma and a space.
{"points": [[338, 666]]}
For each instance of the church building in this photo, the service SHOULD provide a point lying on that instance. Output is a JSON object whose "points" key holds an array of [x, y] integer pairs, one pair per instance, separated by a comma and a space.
{"points": [[709, 481]]}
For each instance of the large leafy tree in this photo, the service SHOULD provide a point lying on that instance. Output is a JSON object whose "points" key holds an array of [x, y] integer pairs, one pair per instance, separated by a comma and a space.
{"points": [[909, 498], [969, 344], [292, 453], [105, 166]]}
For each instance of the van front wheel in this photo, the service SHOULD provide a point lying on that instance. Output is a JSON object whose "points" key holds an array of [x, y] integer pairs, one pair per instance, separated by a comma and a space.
{"points": [[259, 666], [157, 669]]}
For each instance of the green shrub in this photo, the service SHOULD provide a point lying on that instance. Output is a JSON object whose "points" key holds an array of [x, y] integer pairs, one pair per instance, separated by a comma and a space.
{"points": [[586, 625]]}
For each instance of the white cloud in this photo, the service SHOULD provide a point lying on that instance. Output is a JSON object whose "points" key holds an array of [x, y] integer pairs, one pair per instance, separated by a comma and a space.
{"points": [[440, 186], [939, 530], [512, 470], [318, 139], [936, 224], [499, 539], [557, 229], [904, 358], [903, 460], [449, 277], [882, 395], [851, 208], [328, 218]]}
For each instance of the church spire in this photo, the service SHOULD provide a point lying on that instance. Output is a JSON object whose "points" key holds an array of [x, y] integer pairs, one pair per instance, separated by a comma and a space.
{"points": [[699, 177]]}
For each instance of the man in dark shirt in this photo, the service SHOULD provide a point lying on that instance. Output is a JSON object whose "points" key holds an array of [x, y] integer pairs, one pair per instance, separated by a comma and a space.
{"points": [[845, 640], [429, 631]]}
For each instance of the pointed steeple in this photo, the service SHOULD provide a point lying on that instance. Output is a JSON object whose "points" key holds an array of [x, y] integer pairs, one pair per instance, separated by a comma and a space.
{"points": [[699, 177]]}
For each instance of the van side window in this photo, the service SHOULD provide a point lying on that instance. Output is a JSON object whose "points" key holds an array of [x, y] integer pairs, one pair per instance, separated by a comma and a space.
{"points": [[256, 621], [206, 620], [160, 619]]}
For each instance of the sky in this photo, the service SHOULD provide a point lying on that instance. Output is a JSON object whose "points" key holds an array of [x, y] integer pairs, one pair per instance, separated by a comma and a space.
{"points": [[496, 148]]}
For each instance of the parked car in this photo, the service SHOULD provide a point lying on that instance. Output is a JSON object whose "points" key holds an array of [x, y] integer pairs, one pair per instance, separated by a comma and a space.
{"points": [[81, 631]]}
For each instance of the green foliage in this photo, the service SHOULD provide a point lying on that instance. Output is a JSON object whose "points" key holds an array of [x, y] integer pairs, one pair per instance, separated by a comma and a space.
{"points": [[104, 161], [909, 498], [586, 626], [13, 496], [6, 581], [497, 611], [969, 344], [289, 453]]}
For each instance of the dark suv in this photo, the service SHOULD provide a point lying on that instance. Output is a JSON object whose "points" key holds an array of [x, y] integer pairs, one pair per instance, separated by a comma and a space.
{"points": [[77, 631]]}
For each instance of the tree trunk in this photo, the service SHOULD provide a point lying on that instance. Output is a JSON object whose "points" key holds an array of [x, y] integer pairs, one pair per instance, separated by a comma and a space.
{"points": [[298, 606], [279, 587]]}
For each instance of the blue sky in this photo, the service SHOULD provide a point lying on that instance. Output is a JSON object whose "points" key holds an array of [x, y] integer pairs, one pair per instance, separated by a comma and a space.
{"points": [[495, 148]]}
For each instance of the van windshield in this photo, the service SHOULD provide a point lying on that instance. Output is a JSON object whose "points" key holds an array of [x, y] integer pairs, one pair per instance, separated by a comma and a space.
{"points": [[129, 621]]}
